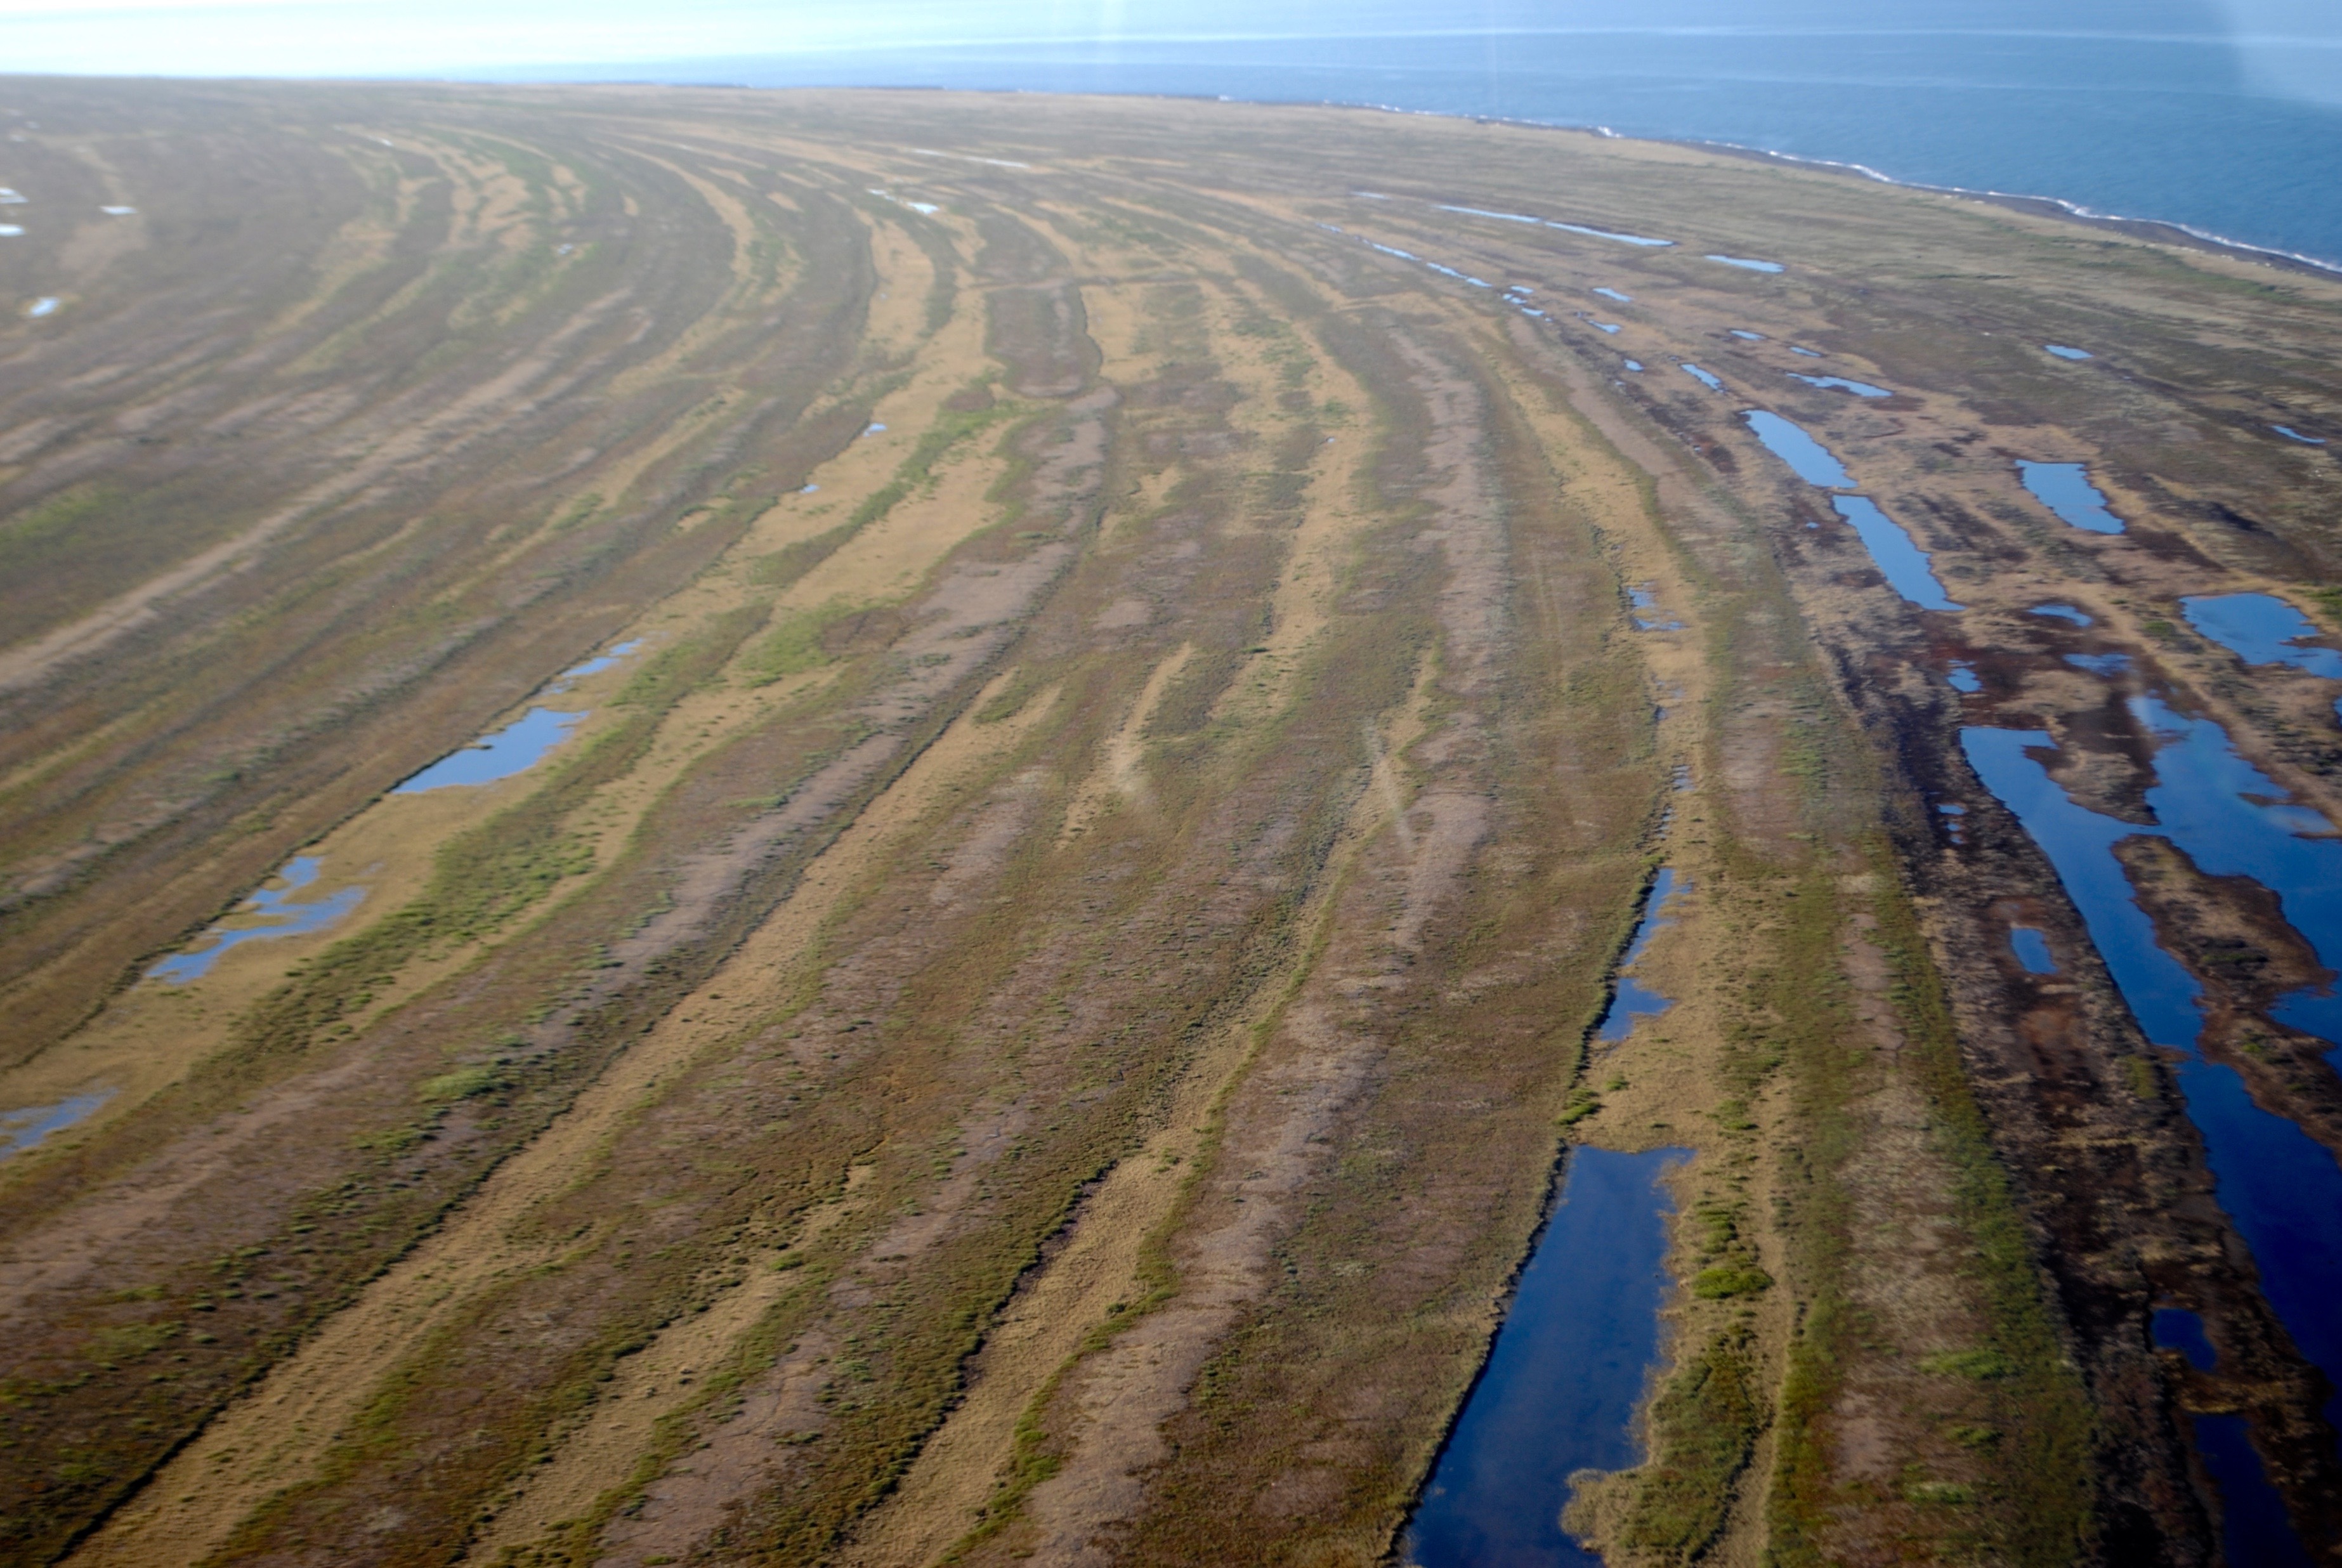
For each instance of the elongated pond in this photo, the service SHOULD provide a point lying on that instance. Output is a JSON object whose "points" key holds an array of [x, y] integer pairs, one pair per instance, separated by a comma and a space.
{"points": [[1566, 1375], [24, 1127], [1633, 999], [2066, 489], [515, 748], [267, 915]]}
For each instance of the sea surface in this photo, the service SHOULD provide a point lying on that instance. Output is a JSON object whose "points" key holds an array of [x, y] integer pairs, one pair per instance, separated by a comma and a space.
{"points": [[2166, 114]]}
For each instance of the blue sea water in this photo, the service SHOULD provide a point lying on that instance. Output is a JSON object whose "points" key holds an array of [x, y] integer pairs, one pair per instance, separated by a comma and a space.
{"points": [[2224, 115]]}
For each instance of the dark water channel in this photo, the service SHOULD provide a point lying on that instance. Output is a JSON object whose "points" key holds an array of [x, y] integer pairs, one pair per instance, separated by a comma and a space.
{"points": [[1564, 1379], [1569, 1368], [2281, 1189]]}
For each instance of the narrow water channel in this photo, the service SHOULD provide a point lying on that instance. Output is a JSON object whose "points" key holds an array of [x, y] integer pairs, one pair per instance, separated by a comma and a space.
{"points": [[1565, 1377], [1569, 1366]]}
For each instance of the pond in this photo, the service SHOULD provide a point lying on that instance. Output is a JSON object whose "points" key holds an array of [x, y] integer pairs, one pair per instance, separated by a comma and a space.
{"points": [[274, 914], [2066, 489], [515, 748], [1564, 1377]]}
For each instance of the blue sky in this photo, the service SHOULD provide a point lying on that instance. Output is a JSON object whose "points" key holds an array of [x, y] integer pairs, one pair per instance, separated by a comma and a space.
{"points": [[2291, 47]]}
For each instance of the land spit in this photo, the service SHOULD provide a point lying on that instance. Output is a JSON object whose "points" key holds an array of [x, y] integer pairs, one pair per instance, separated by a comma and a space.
{"points": [[1038, 1010]]}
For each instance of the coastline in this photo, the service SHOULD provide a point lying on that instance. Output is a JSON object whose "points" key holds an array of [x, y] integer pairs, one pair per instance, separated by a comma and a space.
{"points": [[2159, 231]]}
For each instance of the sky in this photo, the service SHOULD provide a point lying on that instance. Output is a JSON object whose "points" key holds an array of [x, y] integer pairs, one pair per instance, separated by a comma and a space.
{"points": [[2288, 48]]}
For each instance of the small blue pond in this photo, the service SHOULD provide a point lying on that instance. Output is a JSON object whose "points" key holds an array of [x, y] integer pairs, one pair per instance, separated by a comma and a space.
{"points": [[1608, 326], [2254, 1530], [2062, 352], [1860, 388], [1644, 598], [21, 1129], [279, 916], [2107, 664], [2177, 1328], [2262, 629], [1634, 364], [1614, 293], [1746, 264], [593, 667], [1634, 1000], [2032, 949], [1810, 459], [1808, 353], [2061, 613], [2282, 1189], [2066, 489], [1903, 562], [1564, 1379], [1964, 678], [515, 748], [2291, 433], [1703, 377], [1751, 337]]}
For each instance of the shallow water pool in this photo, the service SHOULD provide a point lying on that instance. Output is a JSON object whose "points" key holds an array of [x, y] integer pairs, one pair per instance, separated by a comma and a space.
{"points": [[1905, 565], [1634, 999], [2062, 352], [2262, 629], [1643, 240], [2066, 613], [279, 913], [1703, 377], [2066, 489], [1860, 388], [1564, 1378], [1787, 441], [1614, 293], [1747, 263], [21, 1129], [2032, 949], [515, 748]]}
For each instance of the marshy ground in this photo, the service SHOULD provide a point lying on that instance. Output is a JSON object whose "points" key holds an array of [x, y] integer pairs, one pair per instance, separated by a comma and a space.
{"points": [[1035, 1015]]}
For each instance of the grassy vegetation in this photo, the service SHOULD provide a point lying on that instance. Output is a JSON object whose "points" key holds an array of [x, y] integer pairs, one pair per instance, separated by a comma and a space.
{"points": [[1705, 1421], [486, 877], [1352, 886]]}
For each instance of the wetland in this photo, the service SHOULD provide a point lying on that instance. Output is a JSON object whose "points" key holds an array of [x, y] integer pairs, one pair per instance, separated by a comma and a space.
{"points": [[896, 829]]}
